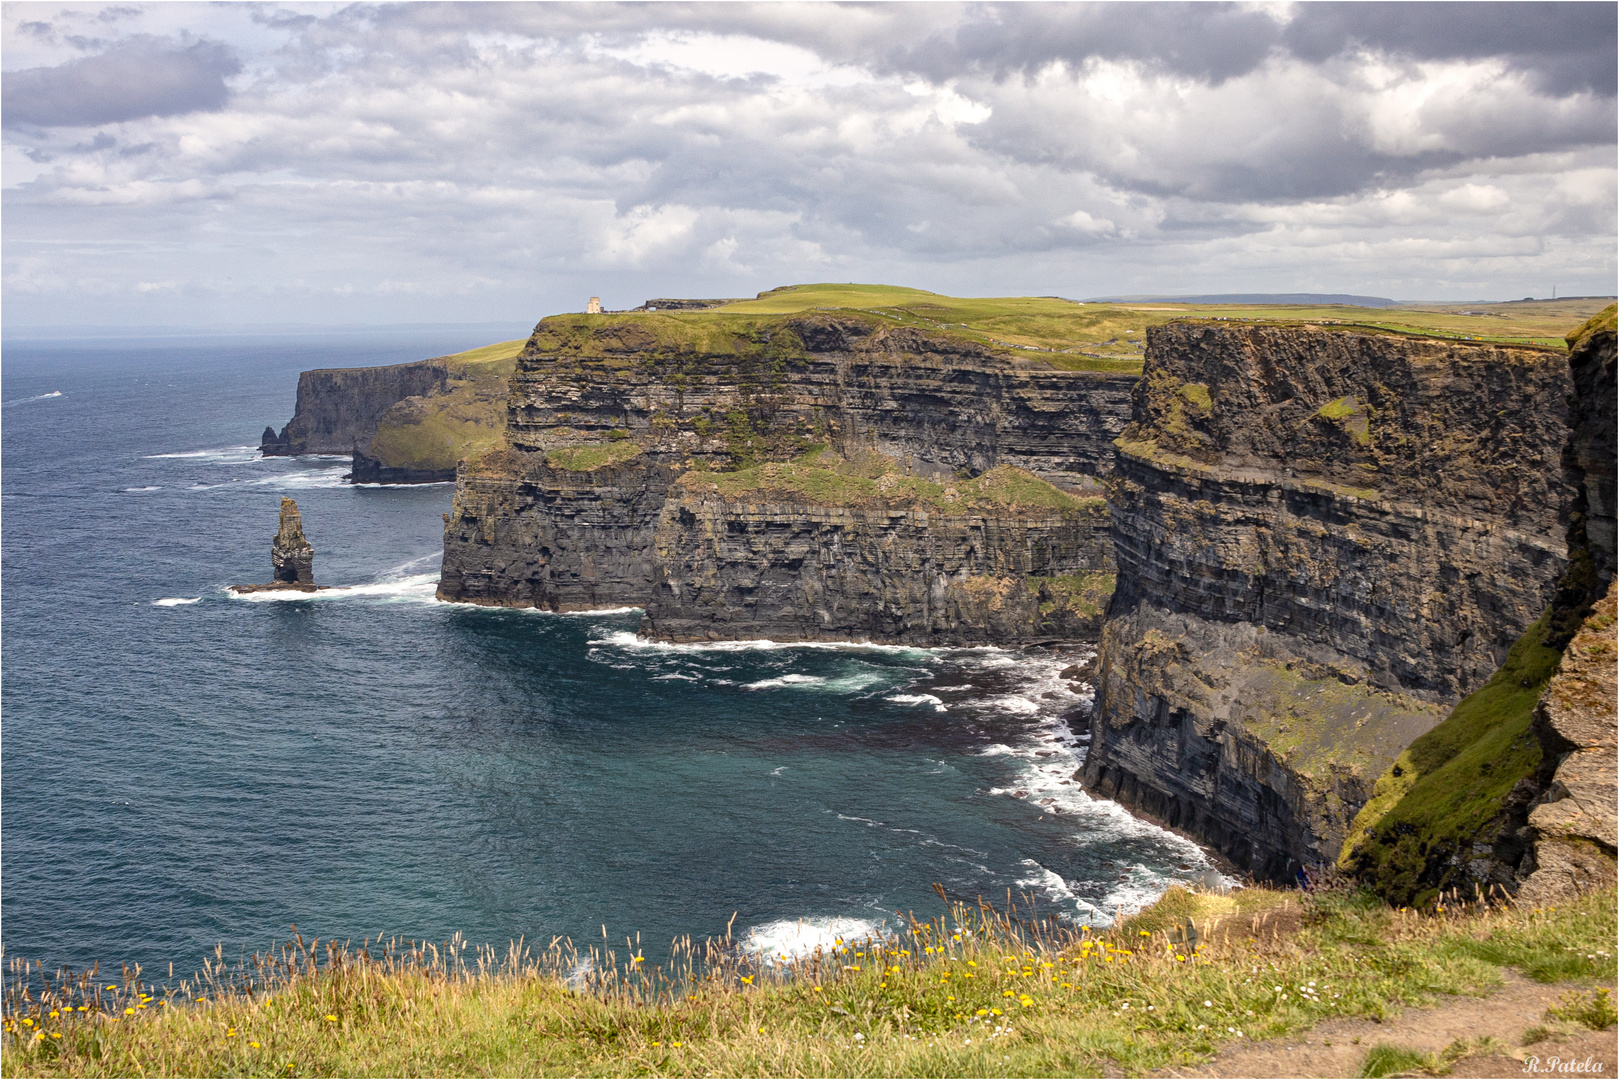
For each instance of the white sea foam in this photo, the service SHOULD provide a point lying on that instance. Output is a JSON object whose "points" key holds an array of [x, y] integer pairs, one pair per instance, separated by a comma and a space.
{"points": [[1047, 881], [1043, 764], [786, 940], [413, 588], [222, 455], [139, 489], [785, 680], [36, 397], [176, 601], [333, 477], [917, 699], [625, 639], [676, 675], [1015, 704], [598, 611]]}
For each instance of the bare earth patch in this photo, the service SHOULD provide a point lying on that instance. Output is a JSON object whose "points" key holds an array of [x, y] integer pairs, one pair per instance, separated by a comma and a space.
{"points": [[1337, 1047]]}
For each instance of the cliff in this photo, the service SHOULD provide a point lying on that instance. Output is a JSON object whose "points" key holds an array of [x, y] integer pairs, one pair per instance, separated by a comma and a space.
{"points": [[837, 550], [569, 536], [338, 407], [404, 423], [1516, 788], [1324, 537], [607, 412]]}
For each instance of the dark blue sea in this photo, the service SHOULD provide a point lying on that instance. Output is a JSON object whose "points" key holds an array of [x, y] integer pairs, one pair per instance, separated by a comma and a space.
{"points": [[180, 768]]}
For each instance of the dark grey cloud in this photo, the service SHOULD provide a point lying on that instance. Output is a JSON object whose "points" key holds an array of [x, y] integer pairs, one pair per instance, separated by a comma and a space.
{"points": [[1567, 47], [1212, 41], [141, 76]]}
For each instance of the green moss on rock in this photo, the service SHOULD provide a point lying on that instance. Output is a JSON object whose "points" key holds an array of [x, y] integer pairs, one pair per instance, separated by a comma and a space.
{"points": [[1444, 788], [434, 431], [1085, 594], [820, 477], [593, 456]]}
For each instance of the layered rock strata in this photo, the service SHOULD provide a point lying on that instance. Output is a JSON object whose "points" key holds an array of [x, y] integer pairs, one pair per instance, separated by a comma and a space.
{"points": [[1575, 817], [1516, 787], [892, 564], [292, 557], [1324, 538], [1573, 825], [338, 407], [573, 536], [606, 413]]}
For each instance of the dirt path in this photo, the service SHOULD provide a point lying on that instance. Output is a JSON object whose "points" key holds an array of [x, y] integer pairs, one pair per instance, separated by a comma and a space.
{"points": [[1337, 1047]]}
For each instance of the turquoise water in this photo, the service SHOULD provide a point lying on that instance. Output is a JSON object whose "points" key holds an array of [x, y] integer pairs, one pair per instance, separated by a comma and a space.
{"points": [[183, 768]]}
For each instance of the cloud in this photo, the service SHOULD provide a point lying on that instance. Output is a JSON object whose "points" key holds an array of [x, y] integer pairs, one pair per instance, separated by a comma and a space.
{"points": [[1209, 41], [542, 151], [1566, 47], [139, 77]]}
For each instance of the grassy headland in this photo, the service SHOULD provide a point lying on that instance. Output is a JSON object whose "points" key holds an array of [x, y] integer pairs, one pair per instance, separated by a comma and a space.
{"points": [[1116, 330], [469, 415], [436, 431], [974, 993]]}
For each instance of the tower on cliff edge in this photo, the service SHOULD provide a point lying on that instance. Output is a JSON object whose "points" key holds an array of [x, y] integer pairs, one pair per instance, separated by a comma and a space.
{"points": [[594, 307]]}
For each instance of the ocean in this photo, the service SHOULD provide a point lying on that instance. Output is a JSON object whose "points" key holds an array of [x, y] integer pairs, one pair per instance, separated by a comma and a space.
{"points": [[181, 768]]}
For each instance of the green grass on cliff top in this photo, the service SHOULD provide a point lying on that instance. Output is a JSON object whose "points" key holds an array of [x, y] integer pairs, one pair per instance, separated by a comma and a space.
{"points": [[500, 354], [1063, 333], [1053, 322]]}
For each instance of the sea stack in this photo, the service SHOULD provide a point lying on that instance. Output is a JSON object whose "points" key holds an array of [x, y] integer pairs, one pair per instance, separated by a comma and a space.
{"points": [[292, 559]]}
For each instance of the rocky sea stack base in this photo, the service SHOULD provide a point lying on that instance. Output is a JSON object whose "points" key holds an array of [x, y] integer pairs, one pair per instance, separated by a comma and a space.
{"points": [[292, 557]]}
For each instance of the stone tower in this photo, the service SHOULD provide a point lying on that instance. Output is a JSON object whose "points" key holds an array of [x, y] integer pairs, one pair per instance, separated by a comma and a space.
{"points": [[292, 559], [594, 307]]}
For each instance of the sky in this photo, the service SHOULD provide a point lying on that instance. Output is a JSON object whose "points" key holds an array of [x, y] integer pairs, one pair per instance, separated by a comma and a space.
{"points": [[245, 163]]}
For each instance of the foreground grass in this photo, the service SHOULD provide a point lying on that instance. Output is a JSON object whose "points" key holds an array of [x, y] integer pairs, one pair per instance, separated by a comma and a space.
{"points": [[972, 995]]}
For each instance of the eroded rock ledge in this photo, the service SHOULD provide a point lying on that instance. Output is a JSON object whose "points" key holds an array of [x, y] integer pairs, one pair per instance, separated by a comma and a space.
{"points": [[1324, 538]]}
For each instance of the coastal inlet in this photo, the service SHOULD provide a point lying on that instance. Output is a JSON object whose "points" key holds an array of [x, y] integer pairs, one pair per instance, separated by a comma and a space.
{"points": [[367, 758]]}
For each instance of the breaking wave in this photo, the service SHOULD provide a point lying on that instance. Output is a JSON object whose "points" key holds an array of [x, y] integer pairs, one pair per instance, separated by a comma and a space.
{"points": [[786, 940]]}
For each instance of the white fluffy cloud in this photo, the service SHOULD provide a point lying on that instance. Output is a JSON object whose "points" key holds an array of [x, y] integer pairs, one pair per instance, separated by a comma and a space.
{"points": [[461, 162]]}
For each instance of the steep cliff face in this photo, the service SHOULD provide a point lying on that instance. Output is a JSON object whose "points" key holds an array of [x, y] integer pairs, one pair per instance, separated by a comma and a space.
{"points": [[1516, 788], [338, 407], [571, 536], [292, 558], [1572, 823], [733, 392], [1324, 538], [815, 552]]}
